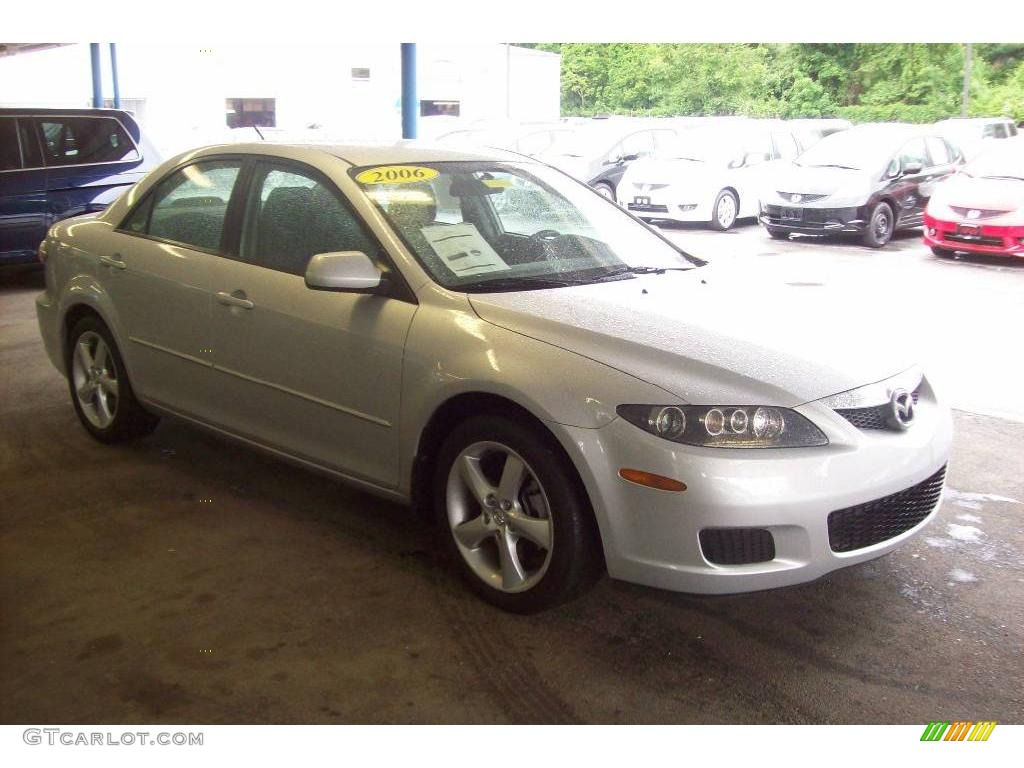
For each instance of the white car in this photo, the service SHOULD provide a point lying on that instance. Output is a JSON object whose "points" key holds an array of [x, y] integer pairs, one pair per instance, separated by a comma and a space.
{"points": [[713, 173], [972, 135], [562, 387]]}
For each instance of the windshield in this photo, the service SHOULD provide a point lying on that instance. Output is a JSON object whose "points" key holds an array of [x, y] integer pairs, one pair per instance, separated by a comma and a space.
{"points": [[998, 164], [481, 225], [858, 150], [713, 145]]}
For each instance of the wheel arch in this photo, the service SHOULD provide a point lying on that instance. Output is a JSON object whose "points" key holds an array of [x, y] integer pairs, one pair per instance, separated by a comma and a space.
{"points": [[456, 409]]}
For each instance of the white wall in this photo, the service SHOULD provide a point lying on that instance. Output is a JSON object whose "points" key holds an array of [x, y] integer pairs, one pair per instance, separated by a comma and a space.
{"points": [[185, 88]]}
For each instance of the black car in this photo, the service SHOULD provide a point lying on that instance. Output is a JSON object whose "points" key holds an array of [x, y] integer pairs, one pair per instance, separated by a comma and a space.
{"points": [[870, 181], [57, 163]]}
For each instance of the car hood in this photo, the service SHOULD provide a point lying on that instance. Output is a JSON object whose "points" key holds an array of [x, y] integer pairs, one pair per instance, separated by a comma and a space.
{"points": [[671, 171], [708, 338], [983, 194], [806, 180]]}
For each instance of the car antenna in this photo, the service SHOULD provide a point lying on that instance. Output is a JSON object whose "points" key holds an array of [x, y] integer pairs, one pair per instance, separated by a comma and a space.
{"points": [[258, 132]]}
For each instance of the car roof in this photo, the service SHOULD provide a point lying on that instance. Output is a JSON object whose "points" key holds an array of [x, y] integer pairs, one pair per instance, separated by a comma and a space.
{"points": [[965, 120], [400, 152], [75, 111]]}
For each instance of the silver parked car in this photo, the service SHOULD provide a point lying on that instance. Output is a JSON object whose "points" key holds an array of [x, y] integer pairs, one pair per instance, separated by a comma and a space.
{"points": [[564, 389]]}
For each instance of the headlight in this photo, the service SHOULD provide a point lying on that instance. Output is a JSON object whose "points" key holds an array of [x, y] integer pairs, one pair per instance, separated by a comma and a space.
{"points": [[725, 426]]}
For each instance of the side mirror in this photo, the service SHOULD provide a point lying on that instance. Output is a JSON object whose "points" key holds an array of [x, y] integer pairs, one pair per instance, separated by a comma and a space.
{"points": [[613, 160], [629, 158], [912, 168], [343, 271]]}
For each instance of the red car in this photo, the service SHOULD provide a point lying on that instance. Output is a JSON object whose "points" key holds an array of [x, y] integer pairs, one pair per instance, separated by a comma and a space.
{"points": [[981, 208]]}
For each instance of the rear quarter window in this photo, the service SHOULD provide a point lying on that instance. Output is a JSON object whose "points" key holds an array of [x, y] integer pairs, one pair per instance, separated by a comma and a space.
{"points": [[85, 140]]}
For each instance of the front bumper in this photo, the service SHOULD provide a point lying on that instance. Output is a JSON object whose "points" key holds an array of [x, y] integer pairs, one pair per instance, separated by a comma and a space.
{"points": [[815, 221], [669, 211], [652, 537], [982, 238]]}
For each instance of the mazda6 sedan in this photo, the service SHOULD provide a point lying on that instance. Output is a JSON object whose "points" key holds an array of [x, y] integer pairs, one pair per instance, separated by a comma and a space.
{"points": [[482, 336]]}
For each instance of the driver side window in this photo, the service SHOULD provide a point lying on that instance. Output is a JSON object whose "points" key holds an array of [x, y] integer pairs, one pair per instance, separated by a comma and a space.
{"points": [[914, 151]]}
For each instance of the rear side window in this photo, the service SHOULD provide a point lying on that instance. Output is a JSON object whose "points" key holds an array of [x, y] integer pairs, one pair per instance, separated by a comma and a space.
{"points": [[85, 140], [10, 152], [292, 216], [188, 207]]}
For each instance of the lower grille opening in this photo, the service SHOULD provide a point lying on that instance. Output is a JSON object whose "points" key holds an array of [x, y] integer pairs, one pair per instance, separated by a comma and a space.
{"points": [[883, 519], [737, 546]]}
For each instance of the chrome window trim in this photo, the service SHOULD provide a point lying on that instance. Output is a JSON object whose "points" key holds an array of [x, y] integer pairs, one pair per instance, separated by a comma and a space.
{"points": [[45, 167]]}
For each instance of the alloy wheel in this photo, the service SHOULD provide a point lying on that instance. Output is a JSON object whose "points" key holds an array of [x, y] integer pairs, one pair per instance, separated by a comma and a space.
{"points": [[499, 516], [726, 211], [95, 379]]}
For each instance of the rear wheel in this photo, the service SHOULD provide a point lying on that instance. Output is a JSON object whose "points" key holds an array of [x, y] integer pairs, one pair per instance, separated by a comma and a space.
{"points": [[100, 390], [881, 225], [725, 211], [514, 516]]}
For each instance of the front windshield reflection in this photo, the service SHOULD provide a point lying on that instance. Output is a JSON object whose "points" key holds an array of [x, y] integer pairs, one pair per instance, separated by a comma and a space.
{"points": [[478, 226]]}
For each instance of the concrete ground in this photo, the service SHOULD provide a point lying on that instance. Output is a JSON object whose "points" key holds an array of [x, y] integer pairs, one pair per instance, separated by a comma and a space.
{"points": [[184, 579]]}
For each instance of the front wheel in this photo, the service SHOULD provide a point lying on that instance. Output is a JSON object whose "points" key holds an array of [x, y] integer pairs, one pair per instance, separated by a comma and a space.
{"points": [[943, 253], [514, 515], [604, 189], [100, 390], [881, 225], [777, 234], [725, 211]]}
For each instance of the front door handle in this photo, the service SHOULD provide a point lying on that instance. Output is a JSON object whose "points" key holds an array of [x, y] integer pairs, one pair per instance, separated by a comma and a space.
{"points": [[236, 299], [113, 261]]}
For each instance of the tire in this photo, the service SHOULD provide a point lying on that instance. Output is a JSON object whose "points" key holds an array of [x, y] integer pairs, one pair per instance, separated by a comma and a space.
{"points": [[777, 234], [881, 225], [725, 211], [604, 189], [549, 506], [99, 386], [943, 253]]}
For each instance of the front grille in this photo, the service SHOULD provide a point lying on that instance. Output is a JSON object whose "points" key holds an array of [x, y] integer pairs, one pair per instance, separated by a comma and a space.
{"points": [[787, 196], [737, 546], [648, 208], [983, 213], [880, 520], [874, 417], [974, 239]]}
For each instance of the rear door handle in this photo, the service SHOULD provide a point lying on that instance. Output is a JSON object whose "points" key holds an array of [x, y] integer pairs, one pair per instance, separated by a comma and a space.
{"points": [[112, 261], [236, 299]]}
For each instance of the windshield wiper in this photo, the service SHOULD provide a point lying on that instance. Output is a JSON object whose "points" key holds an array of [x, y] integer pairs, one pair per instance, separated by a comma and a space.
{"points": [[1015, 178], [518, 283], [830, 165], [643, 271]]}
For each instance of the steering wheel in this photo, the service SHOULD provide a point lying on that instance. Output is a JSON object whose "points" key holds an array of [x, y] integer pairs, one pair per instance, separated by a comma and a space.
{"points": [[544, 237]]}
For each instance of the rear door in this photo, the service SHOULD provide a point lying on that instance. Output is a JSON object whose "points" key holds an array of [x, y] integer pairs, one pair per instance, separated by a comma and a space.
{"points": [[316, 374], [23, 211], [158, 270]]}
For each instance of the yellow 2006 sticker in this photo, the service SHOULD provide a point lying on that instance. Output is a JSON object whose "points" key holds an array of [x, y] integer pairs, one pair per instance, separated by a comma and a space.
{"points": [[395, 174]]}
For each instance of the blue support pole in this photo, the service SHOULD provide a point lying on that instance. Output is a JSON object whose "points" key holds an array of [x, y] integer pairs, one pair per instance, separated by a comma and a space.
{"points": [[113, 75], [410, 104], [97, 76]]}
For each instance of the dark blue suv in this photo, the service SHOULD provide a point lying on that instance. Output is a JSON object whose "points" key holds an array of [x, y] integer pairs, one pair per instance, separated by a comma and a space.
{"points": [[56, 163]]}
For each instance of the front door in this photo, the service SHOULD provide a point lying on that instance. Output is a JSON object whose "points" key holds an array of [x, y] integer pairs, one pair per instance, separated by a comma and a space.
{"points": [[316, 374]]}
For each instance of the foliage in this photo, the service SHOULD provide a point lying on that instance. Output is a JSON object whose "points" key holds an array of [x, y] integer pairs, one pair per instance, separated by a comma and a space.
{"points": [[913, 82]]}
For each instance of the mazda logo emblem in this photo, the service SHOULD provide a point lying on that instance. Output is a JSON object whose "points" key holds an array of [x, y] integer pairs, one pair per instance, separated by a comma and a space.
{"points": [[902, 405]]}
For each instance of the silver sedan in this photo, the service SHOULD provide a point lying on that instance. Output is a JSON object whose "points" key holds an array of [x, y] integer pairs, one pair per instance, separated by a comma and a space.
{"points": [[565, 390]]}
